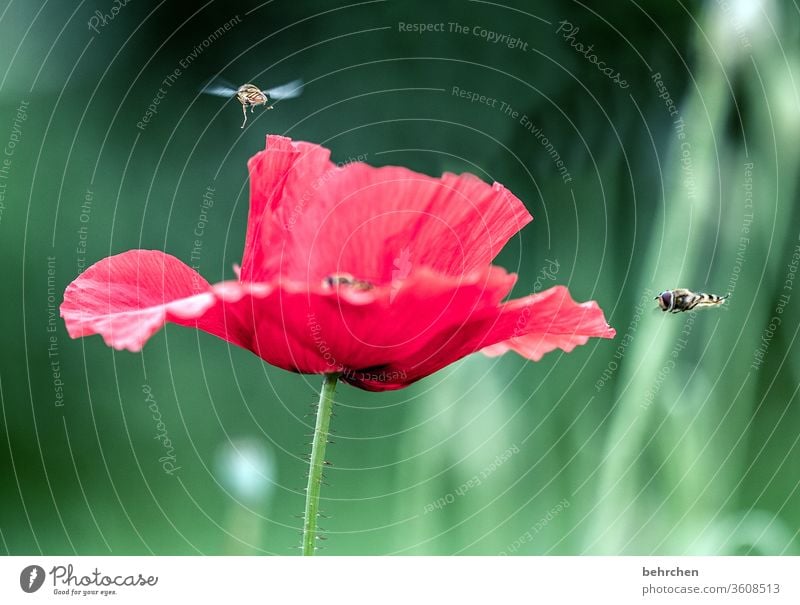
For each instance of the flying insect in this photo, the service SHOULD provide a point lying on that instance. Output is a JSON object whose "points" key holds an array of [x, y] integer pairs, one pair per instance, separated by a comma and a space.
{"points": [[681, 299], [250, 95]]}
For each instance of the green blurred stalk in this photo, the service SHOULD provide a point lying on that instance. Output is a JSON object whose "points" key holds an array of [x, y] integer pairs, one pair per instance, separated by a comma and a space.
{"points": [[324, 410]]}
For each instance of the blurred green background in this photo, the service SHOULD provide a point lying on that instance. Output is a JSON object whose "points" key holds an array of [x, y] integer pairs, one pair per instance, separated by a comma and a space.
{"points": [[678, 437]]}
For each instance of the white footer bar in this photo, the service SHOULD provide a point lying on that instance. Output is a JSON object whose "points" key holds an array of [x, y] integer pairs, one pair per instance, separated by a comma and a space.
{"points": [[390, 580]]}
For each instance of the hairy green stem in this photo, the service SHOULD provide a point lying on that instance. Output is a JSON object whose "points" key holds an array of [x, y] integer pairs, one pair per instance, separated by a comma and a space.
{"points": [[324, 410]]}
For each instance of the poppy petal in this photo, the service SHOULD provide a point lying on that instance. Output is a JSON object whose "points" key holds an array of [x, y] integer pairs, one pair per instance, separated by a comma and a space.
{"points": [[126, 298], [368, 222], [555, 322], [277, 174], [316, 330], [531, 326]]}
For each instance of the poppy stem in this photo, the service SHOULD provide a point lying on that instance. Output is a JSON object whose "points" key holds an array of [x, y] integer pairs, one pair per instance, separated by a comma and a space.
{"points": [[317, 463]]}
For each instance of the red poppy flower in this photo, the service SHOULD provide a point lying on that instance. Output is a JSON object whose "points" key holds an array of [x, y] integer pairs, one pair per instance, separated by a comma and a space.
{"points": [[381, 274]]}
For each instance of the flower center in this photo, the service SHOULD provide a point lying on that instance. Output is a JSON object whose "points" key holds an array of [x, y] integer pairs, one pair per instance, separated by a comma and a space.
{"points": [[345, 279]]}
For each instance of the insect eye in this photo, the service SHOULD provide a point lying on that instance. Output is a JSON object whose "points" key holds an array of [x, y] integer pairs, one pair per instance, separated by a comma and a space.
{"points": [[666, 298]]}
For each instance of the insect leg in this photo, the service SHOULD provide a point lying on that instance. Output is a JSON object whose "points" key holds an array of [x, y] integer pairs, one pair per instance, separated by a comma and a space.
{"points": [[244, 112]]}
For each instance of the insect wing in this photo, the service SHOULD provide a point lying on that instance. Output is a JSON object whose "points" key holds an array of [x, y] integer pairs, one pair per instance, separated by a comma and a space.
{"points": [[219, 87], [286, 91]]}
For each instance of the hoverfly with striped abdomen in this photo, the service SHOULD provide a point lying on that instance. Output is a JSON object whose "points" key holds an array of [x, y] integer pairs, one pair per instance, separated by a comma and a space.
{"points": [[681, 299], [250, 95]]}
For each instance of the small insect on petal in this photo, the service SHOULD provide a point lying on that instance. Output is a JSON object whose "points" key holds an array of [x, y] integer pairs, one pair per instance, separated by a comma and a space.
{"points": [[345, 279]]}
